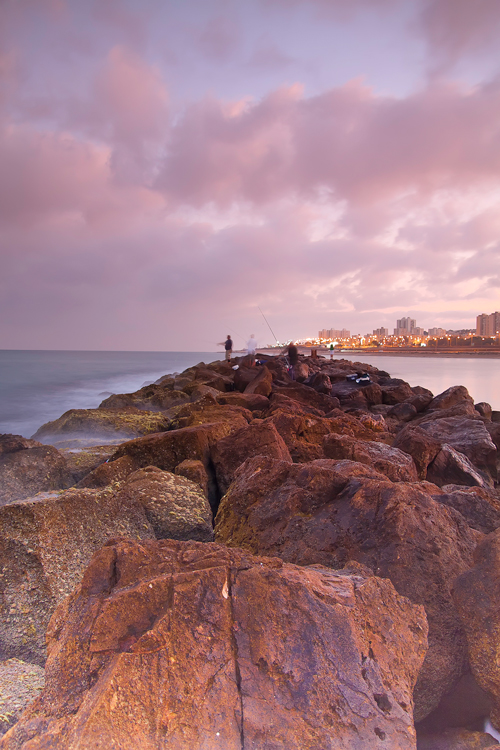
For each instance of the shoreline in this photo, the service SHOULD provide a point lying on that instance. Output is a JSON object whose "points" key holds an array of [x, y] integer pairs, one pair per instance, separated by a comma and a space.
{"points": [[393, 353]]}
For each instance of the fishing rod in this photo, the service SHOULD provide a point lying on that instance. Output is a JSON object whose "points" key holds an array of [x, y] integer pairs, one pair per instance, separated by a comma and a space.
{"points": [[267, 323]]}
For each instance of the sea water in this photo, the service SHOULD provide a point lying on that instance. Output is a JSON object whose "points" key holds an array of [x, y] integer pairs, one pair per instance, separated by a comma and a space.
{"points": [[38, 386]]}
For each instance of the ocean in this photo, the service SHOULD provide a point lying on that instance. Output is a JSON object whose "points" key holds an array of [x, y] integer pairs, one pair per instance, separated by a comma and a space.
{"points": [[38, 386]]}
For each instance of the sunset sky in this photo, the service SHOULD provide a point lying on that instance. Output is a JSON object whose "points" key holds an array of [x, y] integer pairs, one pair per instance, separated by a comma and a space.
{"points": [[168, 167]]}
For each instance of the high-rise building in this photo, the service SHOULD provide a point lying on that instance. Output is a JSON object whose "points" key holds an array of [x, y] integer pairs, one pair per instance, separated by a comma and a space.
{"points": [[488, 325], [333, 333], [437, 332], [405, 327], [381, 332]]}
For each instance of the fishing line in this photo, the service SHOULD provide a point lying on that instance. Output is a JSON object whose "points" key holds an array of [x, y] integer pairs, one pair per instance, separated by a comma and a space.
{"points": [[267, 324]]}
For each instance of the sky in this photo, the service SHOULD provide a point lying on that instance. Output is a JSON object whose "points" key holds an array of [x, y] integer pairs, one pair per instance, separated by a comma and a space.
{"points": [[173, 171]]}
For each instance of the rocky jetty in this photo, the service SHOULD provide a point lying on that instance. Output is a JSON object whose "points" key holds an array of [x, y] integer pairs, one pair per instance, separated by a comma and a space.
{"points": [[230, 558]]}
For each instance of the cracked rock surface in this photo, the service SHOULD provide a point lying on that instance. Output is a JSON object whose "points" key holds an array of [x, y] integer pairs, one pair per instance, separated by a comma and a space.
{"points": [[195, 645]]}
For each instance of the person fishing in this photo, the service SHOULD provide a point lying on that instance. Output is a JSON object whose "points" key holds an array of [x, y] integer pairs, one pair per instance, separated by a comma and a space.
{"points": [[292, 353], [251, 350]]}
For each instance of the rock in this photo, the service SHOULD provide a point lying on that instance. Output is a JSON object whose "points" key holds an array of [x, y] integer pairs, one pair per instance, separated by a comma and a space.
{"points": [[320, 382], [467, 436], [307, 397], [251, 401], [278, 401], [453, 396], [20, 683], [262, 384], [258, 439], [175, 506], [478, 505], [476, 595], [101, 423], [328, 512], [194, 414], [194, 471], [396, 465], [81, 461], [154, 397], [273, 656], [457, 739], [45, 544], [484, 409], [243, 376], [452, 467], [466, 705], [350, 394], [24, 471], [300, 372], [109, 472], [14, 443], [395, 391], [404, 412], [420, 445], [422, 398]]}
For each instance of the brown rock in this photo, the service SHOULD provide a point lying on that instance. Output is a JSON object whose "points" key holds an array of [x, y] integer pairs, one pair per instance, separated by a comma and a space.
{"points": [[452, 467], [194, 414], [453, 396], [484, 409], [205, 647], [258, 439], [97, 424], [395, 391], [26, 471], [457, 739], [243, 376], [108, 472], [45, 544], [467, 436], [396, 465], [251, 401], [81, 461], [478, 505], [307, 397], [14, 443], [404, 412], [300, 372], [195, 471], [154, 397], [420, 445], [322, 513], [476, 595], [175, 507], [262, 384], [320, 382]]}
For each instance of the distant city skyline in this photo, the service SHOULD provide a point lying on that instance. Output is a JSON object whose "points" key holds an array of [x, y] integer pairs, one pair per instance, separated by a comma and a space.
{"points": [[169, 170]]}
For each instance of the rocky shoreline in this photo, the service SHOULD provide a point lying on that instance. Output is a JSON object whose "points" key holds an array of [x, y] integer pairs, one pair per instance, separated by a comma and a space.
{"points": [[229, 558]]}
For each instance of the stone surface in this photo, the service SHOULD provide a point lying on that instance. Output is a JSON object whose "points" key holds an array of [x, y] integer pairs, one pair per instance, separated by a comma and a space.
{"points": [[45, 544], [467, 436], [420, 445], [195, 414], [102, 423], [262, 384], [251, 401], [196, 646], [484, 409], [396, 465], [452, 467], [478, 505], [331, 511], [258, 439], [81, 461], [195, 471], [476, 594], [24, 471], [176, 507], [453, 396], [20, 683], [307, 396], [155, 397], [110, 471], [457, 739]]}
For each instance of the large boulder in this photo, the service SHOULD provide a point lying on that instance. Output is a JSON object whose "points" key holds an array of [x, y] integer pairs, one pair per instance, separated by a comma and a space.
{"points": [[46, 543], [101, 424], [467, 436], [307, 396], [205, 413], [396, 465], [28, 467], [196, 646], [257, 439], [262, 384], [251, 401], [20, 684], [479, 506], [155, 397], [452, 467], [476, 594], [453, 396], [330, 511]]}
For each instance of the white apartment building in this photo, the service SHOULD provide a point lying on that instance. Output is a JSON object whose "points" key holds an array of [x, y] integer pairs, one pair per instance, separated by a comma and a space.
{"points": [[488, 325]]}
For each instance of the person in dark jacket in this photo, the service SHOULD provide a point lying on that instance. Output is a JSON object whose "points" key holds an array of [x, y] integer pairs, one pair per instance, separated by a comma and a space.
{"points": [[292, 353], [228, 346]]}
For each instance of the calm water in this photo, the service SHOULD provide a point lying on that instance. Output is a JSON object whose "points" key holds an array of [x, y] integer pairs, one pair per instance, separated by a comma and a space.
{"points": [[39, 386]]}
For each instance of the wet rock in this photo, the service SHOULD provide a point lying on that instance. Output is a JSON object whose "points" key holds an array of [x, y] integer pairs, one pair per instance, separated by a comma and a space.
{"points": [[109, 472], [101, 423], [273, 656], [155, 397], [396, 465], [82, 460], [24, 471], [258, 439], [328, 512]]}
